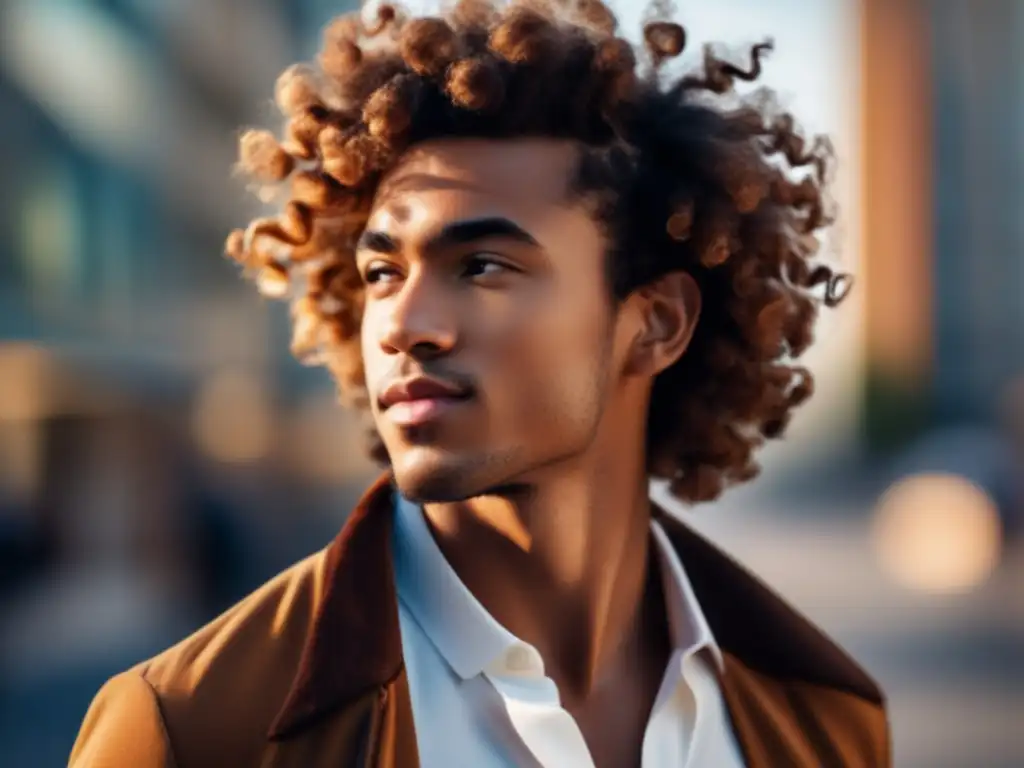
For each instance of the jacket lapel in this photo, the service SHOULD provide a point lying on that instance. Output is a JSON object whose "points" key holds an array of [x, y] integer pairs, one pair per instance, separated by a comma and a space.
{"points": [[761, 722], [349, 702], [342, 737], [395, 737], [375, 731]]}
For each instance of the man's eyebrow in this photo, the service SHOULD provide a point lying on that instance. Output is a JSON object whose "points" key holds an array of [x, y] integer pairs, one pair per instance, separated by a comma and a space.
{"points": [[453, 234], [472, 230], [379, 242]]}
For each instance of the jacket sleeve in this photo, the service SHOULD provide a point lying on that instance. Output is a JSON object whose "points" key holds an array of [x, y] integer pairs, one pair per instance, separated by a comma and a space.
{"points": [[123, 727]]}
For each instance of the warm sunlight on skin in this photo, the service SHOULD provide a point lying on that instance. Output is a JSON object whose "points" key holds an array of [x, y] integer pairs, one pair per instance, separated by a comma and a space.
{"points": [[500, 515], [480, 275]]}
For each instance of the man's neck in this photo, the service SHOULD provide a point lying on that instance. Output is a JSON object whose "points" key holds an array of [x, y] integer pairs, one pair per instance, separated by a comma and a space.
{"points": [[564, 566]]}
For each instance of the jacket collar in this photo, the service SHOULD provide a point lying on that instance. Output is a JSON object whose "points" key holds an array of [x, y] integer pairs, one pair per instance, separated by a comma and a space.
{"points": [[355, 646], [355, 643]]}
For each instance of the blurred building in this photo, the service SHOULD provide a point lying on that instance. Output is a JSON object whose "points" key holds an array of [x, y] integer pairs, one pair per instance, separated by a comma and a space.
{"points": [[160, 453], [118, 121], [118, 126], [943, 188], [978, 231]]}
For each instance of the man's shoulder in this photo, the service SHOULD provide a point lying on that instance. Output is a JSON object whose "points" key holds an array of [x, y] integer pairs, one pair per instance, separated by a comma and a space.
{"points": [[319, 635], [237, 669], [274, 619]]}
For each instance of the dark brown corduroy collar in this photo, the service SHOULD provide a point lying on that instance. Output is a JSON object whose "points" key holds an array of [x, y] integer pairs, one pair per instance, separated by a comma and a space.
{"points": [[355, 642]]}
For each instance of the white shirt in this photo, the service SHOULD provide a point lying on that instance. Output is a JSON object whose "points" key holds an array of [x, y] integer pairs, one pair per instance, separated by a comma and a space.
{"points": [[480, 697]]}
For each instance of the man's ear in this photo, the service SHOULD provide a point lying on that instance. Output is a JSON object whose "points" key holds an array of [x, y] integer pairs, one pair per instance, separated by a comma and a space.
{"points": [[669, 308]]}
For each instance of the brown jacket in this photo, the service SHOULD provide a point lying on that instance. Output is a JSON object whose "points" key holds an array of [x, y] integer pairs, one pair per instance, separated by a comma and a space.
{"points": [[307, 672]]}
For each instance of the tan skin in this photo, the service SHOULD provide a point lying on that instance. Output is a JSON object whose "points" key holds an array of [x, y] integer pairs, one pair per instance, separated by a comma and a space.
{"points": [[482, 272]]}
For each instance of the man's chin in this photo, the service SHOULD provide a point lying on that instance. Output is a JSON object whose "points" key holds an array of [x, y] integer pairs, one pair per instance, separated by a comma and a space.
{"points": [[432, 487], [428, 476]]}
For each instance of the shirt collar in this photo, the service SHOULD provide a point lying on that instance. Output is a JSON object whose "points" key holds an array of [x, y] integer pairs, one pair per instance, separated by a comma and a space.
{"points": [[688, 626], [458, 625], [466, 634]]}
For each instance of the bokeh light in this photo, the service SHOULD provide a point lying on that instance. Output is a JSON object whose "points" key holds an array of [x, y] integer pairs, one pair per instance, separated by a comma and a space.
{"points": [[26, 386], [323, 442], [937, 533], [233, 419]]}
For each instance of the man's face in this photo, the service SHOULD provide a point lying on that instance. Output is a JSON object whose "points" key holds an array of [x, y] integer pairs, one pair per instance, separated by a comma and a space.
{"points": [[487, 331]]}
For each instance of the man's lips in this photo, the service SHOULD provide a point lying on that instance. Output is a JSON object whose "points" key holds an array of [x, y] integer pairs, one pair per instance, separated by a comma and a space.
{"points": [[414, 401], [412, 413]]}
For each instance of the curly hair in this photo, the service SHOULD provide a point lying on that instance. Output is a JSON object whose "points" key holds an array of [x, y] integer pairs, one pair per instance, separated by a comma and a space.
{"points": [[684, 173]]}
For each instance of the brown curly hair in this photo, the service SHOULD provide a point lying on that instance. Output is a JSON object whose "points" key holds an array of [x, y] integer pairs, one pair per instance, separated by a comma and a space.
{"points": [[684, 173]]}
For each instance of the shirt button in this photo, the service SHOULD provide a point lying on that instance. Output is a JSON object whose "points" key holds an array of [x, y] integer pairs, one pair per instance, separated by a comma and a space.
{"points": [[519, 659]]}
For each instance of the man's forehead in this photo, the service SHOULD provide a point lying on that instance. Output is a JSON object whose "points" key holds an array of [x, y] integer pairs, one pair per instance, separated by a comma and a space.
{"points": [[526, 170]]}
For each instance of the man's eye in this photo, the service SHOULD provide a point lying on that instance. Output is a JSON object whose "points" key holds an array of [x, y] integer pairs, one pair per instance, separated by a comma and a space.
{"points": [[380, 274], [483, 265]]}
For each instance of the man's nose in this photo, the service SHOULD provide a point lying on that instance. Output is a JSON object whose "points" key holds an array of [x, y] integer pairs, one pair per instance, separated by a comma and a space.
{"points": [[420, 321]]}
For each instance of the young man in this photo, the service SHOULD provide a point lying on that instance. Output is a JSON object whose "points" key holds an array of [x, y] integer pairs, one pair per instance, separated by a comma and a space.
{"points": [[550, 273]]}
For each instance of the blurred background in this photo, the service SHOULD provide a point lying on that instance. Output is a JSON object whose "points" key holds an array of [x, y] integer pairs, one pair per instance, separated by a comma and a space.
{"points": [[161, 454]]}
